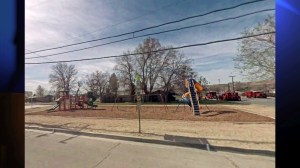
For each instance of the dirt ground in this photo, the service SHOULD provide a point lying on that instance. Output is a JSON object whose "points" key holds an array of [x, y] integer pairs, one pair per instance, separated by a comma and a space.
{"points": [[212, 113], [221, 126], [255, 109]]}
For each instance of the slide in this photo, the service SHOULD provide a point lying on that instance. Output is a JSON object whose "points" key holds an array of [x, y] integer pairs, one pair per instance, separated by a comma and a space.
{"points": [[91, 102], [194, 97], [54, 107]]}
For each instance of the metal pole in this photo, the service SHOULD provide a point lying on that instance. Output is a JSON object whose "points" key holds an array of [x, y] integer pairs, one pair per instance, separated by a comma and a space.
{"points": [[232, 83], [138, 98], [219, 85], [139, 120]]}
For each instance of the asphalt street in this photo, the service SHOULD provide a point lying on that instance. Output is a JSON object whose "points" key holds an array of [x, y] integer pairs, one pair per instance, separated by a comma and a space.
{"points": [[47, 149]]}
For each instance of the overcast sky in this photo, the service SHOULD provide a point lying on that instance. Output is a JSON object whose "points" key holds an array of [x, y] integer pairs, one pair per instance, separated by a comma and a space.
{"points": [[60, 22]]}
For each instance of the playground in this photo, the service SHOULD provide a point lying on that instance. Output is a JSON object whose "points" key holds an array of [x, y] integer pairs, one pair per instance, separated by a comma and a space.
{"points": [[161, 112], [222, 125], [233, 129]]}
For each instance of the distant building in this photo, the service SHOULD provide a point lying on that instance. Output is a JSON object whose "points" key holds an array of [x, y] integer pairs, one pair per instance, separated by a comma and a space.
{"points": [[47, 98], [28, 94]]}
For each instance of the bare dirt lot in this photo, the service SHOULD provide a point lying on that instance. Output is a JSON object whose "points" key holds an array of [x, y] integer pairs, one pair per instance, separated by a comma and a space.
{"points": [[163, 113]]}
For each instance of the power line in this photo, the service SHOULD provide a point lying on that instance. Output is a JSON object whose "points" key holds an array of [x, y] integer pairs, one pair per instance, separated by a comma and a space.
{"points": [[129, 20], [39, 55], [172, 48], [171, 30], [152, 27]]}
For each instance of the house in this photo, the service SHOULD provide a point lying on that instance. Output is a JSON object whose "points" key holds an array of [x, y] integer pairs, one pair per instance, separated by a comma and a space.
{"points": [[47, 98]]}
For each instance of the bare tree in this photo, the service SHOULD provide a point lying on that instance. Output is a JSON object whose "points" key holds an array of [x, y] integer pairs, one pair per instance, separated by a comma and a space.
{"points": [[146, 61], [113, 84], [79, 85], [63, 76], [157, 69], [52, 92], [183, 72], [151, 64], [174, 71], [28, 94], [256, 55], [203, 81], [97, 82], [40, 91], [125, 70]]}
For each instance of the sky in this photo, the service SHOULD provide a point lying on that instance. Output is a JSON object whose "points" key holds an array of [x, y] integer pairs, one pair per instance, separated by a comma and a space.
{"points": [[60, 22]]}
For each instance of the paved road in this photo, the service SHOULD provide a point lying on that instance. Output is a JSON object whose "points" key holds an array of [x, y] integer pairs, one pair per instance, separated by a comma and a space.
{"points": [[268, 102], [45, 149]]}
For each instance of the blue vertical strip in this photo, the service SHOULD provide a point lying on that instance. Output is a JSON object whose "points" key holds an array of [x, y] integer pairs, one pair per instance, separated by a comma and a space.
{"points": [[287, 60], [7, 46], [287, 80], [17, 83]]}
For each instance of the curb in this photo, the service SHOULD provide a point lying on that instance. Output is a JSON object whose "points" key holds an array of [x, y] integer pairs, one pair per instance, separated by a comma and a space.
{"points": [[207, 147]]}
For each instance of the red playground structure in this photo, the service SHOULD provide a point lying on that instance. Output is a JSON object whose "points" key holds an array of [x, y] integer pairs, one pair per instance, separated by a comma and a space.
{"points": [[74, 102]]}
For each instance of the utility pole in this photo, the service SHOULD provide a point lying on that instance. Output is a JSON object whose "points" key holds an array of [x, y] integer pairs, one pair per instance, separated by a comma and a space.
{"points": [[138, 98], [228, 87], [232, 83], [219, 85]]}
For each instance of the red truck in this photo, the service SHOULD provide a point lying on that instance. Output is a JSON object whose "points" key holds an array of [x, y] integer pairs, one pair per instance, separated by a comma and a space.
{"points": [[230, 96], [255, 94]]}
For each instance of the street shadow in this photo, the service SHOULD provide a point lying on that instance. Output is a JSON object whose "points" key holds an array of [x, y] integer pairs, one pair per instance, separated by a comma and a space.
{"points": [[43, 135], [70, 138], [46, 134], [65, 140]]}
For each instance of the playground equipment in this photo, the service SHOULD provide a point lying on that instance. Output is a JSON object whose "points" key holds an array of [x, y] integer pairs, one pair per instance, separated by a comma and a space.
{"points": [[230, 96], [73, 102], [193, 87], [255, 94], [90, 100]]}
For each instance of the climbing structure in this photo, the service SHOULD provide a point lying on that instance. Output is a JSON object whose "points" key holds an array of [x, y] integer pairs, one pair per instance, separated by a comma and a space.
{"points": [[73, 102], [194, 97]]}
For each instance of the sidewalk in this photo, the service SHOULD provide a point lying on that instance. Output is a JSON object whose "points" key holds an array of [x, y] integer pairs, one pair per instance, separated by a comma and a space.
{"points": [[47, 149], [236, 135], [171, 140]]}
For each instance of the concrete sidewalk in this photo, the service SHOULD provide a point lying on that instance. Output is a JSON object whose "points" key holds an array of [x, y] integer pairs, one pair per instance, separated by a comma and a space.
{"points": [[171, 140], [47, 149]]}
